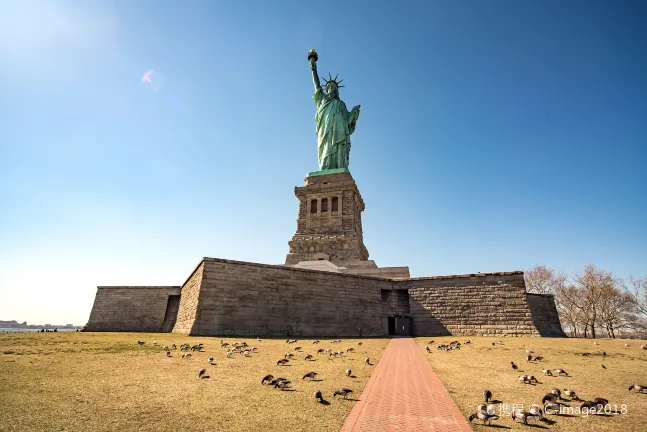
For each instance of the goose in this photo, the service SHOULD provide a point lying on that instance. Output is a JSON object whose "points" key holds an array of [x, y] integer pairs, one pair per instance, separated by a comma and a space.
{"points": [[601, 401], [560, 372], [571, 394], [321, 351], [289, 355], [350, 349], [638, 387], [155, 343], [140, 343], [361, 343], [315, 342], [589, 405], [282, 362], [525, 379], [532, 378], [547, 372], [367, 361], [246, 353], [343, 392], [539, 358], [310, 375], [468, 342], [427, 349], [202, 373], [298, 349], [229, 354], [524, 416], [549, 398], [595, 343], [484, 416], [277, 380], [553, 407], [557, 393], [604, 367], [173, 346], [308, 357], [604, 353], [282, 384], [267, 378], [168, 353], [210, 360], [319, 396], [348, 372], [643, 346], [487, 395], [186, 355], [165, 347], [626, 345], [224, 345], [514, 366]]}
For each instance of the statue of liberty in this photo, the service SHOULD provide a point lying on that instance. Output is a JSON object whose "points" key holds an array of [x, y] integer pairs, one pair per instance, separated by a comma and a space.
{"points": [[334, 123]]}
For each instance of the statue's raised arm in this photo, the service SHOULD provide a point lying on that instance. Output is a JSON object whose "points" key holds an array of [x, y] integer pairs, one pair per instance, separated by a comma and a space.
{"points": [[333, 122], [313, 57]]}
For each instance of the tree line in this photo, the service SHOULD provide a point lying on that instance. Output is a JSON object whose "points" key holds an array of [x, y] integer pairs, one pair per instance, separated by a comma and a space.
{"points": [[594, 303]]}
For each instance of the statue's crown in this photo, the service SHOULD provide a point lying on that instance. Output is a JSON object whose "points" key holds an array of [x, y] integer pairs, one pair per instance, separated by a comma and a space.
{"points": [[332, 80]]}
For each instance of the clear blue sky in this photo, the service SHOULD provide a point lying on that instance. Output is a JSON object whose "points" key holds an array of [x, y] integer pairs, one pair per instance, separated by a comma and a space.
{"points": [[493, 136]]}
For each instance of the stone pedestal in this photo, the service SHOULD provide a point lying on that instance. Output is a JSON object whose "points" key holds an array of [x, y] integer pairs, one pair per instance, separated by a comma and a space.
{"points": [[329, 226]]}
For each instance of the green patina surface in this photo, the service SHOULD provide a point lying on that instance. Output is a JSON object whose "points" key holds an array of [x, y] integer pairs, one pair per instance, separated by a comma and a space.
{"points": [[334, 124], [329, 171]]}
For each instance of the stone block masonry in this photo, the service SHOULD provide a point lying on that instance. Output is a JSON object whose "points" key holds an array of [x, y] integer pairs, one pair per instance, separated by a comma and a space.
{"points": [[131, 308], [544, 315], [233, 298], [491, 304]]}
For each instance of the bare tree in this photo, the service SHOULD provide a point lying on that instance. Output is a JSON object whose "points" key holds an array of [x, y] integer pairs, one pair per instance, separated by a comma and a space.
{"points": [[568, 300], [592, 282], [543, 280], [638, 293], [615, 309]]}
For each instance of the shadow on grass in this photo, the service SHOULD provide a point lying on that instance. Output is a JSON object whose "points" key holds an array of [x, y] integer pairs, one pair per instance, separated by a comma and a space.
{"points": [[324, 402]]}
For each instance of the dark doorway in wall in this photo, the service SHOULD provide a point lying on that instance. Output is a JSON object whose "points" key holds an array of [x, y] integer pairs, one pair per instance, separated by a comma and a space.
{"points": [[403, 326], [391, 326]]}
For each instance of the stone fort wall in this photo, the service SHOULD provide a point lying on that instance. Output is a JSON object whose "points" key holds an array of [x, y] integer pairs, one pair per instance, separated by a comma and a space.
{"points": [[233, 298], [229, 298], [489, 304], [134, 309], [544, 315]]}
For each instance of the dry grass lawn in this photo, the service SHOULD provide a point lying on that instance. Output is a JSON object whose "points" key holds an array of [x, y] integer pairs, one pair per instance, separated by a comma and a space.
{"points": [[106, 382], [478, 366]]}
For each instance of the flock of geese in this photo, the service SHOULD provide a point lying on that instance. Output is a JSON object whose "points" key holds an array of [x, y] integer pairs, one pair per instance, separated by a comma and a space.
{"points": [[552, 402], [281, 383]]}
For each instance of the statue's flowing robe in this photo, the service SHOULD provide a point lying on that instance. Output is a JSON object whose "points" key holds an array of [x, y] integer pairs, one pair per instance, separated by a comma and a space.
{"points": [[334, 125]]}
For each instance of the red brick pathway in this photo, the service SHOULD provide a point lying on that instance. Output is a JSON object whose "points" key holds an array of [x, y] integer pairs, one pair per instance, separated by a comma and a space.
{"points": [[404, 394]]}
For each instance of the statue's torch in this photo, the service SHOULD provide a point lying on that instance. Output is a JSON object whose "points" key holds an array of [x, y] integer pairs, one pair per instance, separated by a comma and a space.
{"points": [[313, 56]]}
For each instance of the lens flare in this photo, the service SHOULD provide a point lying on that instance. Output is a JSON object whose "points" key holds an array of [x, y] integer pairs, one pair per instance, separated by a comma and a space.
{"points": [[153, 80]]}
